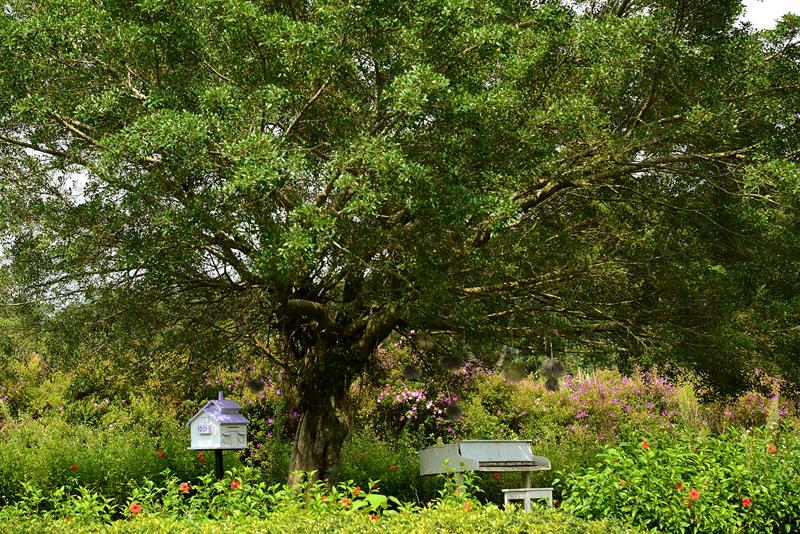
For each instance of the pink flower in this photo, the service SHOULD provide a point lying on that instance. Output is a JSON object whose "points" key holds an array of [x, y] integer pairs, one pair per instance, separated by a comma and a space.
{"points": [[373, 517], [679, 486], [694, 494], [772, 448], [135, 508], [467, 507], [746, 502], [185, 487], [235, 484], [345, 502], [201, 457]]}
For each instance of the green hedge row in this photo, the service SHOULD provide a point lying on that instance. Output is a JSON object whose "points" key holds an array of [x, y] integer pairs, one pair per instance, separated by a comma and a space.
{"points": [[444, 519]]}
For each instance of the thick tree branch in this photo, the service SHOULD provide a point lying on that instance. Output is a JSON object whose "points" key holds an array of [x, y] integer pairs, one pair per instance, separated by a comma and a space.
{"points": [[377, 327], [309, 309]]}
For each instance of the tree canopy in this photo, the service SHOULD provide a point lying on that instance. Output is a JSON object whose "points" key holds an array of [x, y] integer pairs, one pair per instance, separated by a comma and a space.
{"points": [[304, 178]]}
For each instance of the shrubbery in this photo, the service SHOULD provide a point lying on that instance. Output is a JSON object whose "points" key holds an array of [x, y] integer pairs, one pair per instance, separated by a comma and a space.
{"points": [[244, 503], [741, 480], [105, 450], [444, 519]]}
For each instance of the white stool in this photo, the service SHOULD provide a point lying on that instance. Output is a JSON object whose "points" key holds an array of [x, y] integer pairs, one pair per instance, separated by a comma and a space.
{"points": [[526, 494]]}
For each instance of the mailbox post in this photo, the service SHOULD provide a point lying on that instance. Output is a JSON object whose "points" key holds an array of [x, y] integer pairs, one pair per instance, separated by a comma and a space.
{"points": [[219, 427]]}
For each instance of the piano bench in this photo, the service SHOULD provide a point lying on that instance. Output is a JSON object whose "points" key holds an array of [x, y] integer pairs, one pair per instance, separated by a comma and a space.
{"points": [[526, 494]]}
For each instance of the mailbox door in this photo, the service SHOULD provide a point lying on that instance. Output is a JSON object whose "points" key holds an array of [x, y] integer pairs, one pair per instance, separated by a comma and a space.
{"points": [[226, 436]]}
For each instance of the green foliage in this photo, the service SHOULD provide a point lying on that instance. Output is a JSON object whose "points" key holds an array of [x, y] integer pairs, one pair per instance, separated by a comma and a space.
{"points": [[395, 462], [243, 503], [737, 481], [51, 452], [442, 519]]}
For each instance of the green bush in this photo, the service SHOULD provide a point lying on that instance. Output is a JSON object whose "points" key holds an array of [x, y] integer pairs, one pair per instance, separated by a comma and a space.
{"points": [[451, 519], [396, 465], [243, 503], [51, 452], [676, 482]]}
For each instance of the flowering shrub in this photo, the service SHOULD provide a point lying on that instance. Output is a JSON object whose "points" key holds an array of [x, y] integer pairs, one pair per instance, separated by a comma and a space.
{"points": [[420, 410], [416, 398], [600, 405], [52, 453], [686, 481], [754, 408]]}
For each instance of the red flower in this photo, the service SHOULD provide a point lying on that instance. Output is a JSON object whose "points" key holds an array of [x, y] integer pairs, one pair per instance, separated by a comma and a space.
{"points": [[373, 517], [235, 484], [323, 498], [688, 504], [200, 456], [357, 490], [746, 502], [694, 494], [679, 486], [772, 448], [185, 487], [345, 502], [467, 507], [160, 453], [644, 444], [496, 477], [73, 467], [392, 468], [135, 508]]}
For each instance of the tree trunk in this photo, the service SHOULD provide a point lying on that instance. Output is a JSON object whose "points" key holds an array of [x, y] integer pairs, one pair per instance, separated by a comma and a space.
{"points": [[325, 412], [320, 437], [328, 366]]}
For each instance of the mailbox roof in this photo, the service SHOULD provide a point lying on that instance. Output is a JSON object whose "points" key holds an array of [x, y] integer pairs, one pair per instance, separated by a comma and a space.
{"points": [[225, 406], [225, 412]]}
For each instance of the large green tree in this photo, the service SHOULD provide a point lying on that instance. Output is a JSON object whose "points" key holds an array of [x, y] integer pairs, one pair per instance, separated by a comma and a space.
{"points": [[308, 177]]}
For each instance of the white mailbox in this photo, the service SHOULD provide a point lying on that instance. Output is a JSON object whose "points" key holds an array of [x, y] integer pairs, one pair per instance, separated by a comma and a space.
{"points": [[219, 426]]}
